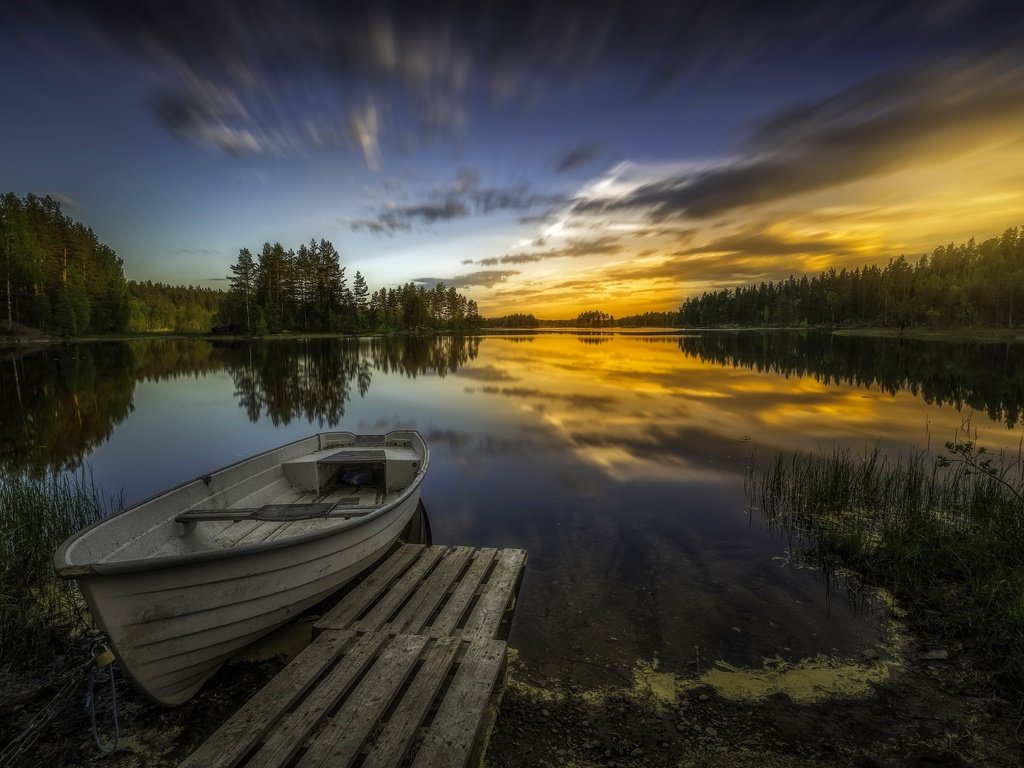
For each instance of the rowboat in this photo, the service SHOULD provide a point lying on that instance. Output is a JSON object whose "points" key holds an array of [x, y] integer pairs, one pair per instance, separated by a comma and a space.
{"points": [[183, 580]]}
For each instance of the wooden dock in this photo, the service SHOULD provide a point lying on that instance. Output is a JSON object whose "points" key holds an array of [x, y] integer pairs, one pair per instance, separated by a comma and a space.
{"points": [[407, 669]]}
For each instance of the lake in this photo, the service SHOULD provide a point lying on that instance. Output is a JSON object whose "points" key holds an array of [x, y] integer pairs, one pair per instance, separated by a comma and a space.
{"points": [[617, 460]]}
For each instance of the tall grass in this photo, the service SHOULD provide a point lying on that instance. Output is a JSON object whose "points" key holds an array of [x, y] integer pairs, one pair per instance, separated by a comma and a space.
{"points": [[944, 533], [38, 611]]}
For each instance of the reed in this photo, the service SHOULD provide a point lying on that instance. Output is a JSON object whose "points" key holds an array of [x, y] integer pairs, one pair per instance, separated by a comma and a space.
{"points": [[39, 613], [944, 533]]}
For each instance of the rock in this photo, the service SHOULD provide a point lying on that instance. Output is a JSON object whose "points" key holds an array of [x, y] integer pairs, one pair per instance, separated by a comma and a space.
{"points": [[940, 654], [712, 732], [703, 697]]}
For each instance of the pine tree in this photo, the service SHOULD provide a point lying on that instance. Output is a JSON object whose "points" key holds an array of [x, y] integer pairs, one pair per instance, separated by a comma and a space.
{"points": [[244, 281]]}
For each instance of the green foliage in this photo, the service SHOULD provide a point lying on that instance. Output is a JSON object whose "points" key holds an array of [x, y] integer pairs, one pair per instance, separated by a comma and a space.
{"points": [[38, 611], [945, 535], [58, 275], [160, 307], [956, 286], [517, 320], [594, 319], [306, 290]]}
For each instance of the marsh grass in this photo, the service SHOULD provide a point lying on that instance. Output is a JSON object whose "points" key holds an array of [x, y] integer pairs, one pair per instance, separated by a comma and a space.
{"points": [[944, 533], [39, 612]]}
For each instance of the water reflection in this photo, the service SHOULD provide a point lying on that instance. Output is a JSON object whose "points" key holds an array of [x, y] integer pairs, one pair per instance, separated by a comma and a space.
{"points": [[58, 403], [618, 465], [984, 377]]}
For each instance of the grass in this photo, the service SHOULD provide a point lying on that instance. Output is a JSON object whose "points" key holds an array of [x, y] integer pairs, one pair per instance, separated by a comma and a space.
{"points": [[943, 533], [39, 613]]}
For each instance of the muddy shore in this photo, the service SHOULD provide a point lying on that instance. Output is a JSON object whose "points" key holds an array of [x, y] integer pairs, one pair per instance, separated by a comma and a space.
{"points": [[910, 704]]}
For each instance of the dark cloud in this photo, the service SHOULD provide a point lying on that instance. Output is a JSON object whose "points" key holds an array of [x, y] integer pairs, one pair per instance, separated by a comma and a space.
{"points": [[261, 76], [760, 242], [577, 157], [573, 249], [485, 279], [875, 128], [463, 197]]}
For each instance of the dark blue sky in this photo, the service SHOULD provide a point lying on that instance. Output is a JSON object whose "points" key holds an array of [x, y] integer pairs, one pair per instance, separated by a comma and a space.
{"points": [[545, 157]]}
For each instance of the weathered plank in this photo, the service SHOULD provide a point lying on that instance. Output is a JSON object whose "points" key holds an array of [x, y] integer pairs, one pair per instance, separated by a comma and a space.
{"points": [[356, 601], [287, 737], [453, 610], [399, 591], [327, 707], [451, 737], [353, 457], [244, 729], [497, 595], [338, 743], [396, 736], [431, 592]]}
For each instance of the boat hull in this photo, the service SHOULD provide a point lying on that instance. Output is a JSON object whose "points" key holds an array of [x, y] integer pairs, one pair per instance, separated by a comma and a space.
{"points": [[183, 580], [173, 628]]}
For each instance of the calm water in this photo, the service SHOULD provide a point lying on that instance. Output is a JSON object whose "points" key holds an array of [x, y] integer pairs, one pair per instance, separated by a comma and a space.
{"points": [[617, 461]]}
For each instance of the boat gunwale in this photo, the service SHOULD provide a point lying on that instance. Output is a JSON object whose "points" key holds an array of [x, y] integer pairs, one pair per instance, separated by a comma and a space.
{"points": [[67, 570]]}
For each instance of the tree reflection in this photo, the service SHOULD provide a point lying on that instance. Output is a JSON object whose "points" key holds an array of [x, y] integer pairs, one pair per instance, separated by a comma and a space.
{"points": [[59, 403], [988, 378], [314, 378]]}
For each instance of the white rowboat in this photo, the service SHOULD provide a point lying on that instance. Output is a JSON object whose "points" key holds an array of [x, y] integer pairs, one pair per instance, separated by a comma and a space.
{"points": [[182, 581]]}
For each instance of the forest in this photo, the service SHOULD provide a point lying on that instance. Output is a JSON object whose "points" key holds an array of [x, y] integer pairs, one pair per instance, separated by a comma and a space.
{"points": [[57, 276], [956, 286], [306, 289]]}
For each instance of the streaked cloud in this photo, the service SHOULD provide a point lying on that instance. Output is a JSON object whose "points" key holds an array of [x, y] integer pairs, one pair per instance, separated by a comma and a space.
{"points": [[875, 128], [464, 196]]}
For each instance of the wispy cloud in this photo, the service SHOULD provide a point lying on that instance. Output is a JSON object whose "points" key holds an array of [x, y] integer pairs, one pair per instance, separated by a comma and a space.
{"points": [[465, 196], [487, 278], [259, 77], [573, 249], [577, 157], [875, 128]]}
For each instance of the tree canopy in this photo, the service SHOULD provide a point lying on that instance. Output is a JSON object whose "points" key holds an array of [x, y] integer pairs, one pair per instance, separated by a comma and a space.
{"points": [[56, 273], [955, 286]]}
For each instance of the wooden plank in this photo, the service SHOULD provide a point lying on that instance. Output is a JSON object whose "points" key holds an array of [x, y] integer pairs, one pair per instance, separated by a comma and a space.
{"points": [[453, 610], [395, 737], [399, 591], [357, 456], [356, 601], [497, 595], [339, 742], [431, 592], [280, 512], [451, 737], [244, 729], [285, 739]]}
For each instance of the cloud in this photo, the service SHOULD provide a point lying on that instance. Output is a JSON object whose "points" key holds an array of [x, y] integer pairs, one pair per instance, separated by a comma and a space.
{"points": [[572, 249], [463, 197], [261, 77], [577, 158], [877, 127], [487, 278], [201, 252], [363, 127]]}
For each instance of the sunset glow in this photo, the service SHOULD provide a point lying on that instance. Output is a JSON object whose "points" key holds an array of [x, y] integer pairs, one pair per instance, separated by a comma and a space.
{"points": [[533, 168]]}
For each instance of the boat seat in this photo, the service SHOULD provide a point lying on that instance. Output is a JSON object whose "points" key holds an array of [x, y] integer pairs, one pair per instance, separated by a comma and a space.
{"points": [[346, 507], [353, 457]]}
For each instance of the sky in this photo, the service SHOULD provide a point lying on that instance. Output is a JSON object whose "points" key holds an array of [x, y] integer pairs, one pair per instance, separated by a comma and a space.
{"points": [[541, 157]]}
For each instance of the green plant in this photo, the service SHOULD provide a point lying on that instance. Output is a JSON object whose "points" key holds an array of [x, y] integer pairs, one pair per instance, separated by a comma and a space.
{"points": [[38, 611]]}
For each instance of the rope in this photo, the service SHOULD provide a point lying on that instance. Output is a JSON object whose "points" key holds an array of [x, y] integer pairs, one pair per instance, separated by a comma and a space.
{"points": [[24, 741], [103, 658]]}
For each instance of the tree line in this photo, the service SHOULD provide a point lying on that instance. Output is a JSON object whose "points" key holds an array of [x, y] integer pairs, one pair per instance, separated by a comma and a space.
{"points": [[57, 275], [962, 285], [307, 289]]}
